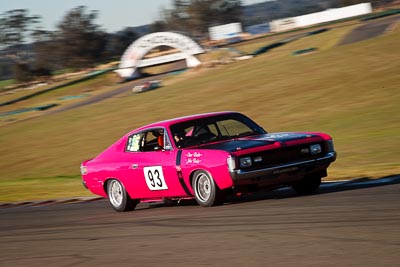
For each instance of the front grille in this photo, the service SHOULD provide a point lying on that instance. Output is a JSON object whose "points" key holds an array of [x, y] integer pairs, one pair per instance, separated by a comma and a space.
{"points": [[284, 155]]}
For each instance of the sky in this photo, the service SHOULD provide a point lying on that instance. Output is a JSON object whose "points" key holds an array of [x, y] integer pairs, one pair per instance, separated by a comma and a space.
{"points": [[114, 15]]}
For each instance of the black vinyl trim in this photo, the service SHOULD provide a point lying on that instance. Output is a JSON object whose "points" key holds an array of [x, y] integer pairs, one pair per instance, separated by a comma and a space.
{"points": [[178, 157], [180, 176]]}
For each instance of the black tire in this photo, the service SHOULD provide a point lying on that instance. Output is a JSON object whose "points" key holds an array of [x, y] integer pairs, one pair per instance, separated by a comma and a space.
{"points": [[206, 192], [308, 185], [118, 197]]}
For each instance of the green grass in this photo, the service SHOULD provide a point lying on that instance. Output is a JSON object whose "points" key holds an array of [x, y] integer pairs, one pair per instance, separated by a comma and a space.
{"points": [[24, 92], [350, 92], [32, 189], [5, 83], [95, 86]]}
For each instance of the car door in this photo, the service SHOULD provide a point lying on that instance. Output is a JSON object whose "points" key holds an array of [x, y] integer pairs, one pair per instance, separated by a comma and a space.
{"points": [[154, 168]]}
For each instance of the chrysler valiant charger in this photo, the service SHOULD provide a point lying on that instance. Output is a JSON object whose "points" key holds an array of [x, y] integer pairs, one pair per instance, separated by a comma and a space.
{"points": [[206, 156]]}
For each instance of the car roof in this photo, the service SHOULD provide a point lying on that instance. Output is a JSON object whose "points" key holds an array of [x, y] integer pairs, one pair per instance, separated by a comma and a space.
{"points": [[167, 123]]}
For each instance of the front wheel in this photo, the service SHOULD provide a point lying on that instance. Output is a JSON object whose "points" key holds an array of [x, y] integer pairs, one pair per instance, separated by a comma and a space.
{"points": [[119, 198], [308, 185], [206, 192]]}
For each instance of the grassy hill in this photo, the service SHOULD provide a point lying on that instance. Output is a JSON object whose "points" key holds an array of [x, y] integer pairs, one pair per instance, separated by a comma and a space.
{"points": [[350, 92]]}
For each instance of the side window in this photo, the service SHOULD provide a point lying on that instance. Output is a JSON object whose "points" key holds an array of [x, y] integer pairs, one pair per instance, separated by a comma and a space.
{"points": [[135, 142], [154, 140], [151, 138], [182, 135]]}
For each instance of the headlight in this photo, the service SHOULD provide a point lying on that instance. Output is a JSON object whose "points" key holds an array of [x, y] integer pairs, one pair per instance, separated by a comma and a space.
{"points": [[315, 149], [245, 162]]}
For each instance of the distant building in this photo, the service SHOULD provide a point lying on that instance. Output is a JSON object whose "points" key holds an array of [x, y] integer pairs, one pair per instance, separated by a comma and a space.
{"points": [[258, 29], [225, 32], [320, 17]]}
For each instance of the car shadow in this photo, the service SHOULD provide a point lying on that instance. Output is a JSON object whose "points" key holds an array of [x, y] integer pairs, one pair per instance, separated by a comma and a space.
{"points": [[287, 192], [326, 188]]}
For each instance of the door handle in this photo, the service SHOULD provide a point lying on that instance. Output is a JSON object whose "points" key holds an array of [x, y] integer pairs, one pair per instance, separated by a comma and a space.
{"points": [[135, 166]]}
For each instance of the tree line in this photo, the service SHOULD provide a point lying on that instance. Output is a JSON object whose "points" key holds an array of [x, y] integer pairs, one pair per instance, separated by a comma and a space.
{"points": [[78, 42]]}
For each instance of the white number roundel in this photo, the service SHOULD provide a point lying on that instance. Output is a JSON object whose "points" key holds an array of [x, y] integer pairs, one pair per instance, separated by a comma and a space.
{"points": [[155, 178]]}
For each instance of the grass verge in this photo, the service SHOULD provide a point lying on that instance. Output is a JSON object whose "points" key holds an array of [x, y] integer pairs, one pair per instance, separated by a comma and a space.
{"points": [[5, 83], [14, 190]]}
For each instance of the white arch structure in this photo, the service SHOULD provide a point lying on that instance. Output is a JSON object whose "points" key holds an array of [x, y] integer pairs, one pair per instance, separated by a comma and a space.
{"points": [[132, 59]]}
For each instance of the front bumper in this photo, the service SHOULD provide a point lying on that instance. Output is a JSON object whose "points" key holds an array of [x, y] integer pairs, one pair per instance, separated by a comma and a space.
{"points": [[300, 168]]}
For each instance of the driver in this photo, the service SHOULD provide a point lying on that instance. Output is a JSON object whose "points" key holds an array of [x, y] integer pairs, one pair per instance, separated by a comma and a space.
{"points": [[179, 136]]}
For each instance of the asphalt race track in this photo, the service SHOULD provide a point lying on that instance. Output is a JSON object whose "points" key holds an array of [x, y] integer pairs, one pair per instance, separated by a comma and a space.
{"points": [[369, 29], [125, 87], [345, 224]]}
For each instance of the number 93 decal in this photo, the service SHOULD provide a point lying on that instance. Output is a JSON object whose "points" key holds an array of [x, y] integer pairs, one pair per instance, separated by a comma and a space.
{"points": [[155, 178]]}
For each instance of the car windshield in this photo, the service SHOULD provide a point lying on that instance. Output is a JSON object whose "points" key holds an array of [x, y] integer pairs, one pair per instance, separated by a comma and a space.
{"points": [[213, 129]]}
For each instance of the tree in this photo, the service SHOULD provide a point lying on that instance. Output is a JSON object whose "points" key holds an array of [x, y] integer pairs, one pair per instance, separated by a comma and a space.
{"points": [[15, 26], [158, 26], [81, 41], [47, 54], [118, 42], [344, 3], [176, 19], [196, 16], [227, 11], [22, 72]]}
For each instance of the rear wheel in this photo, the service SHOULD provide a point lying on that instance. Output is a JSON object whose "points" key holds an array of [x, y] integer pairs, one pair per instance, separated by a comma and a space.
{"points": [[308, 185], [206, 192], [119, 198]]}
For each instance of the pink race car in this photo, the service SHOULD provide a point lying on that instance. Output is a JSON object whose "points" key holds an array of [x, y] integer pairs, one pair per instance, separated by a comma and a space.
{"points": [[206, 156]]}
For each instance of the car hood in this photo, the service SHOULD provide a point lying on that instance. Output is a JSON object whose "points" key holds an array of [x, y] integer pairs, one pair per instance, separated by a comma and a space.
{"points": [[248, 142]]}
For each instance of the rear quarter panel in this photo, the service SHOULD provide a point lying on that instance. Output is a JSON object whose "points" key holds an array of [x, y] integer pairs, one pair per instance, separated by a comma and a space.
{"points": [[108, 164]]}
